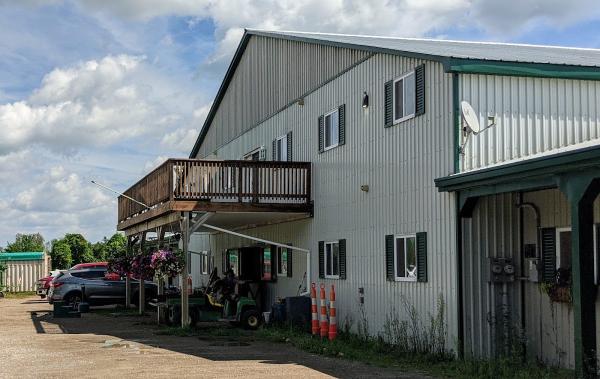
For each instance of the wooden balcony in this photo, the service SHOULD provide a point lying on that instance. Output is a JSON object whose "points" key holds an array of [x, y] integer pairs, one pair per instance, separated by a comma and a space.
{"points": [[217, 186]]}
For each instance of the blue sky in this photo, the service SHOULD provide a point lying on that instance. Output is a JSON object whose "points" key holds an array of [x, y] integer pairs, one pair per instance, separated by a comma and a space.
{"points": [[105, 90]]}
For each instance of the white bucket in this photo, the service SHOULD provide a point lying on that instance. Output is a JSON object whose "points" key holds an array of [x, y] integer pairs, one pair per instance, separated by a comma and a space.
{"points": [[267, 317]]}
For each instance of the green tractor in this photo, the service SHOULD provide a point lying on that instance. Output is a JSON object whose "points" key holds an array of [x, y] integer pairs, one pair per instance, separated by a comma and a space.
{"points": [[216, 302]]}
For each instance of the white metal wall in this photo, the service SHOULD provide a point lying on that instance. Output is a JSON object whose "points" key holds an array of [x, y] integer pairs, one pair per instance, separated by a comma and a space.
{"points": [[23, 275], [398, 163], [533, 115], [272, 73], [493, 231]]}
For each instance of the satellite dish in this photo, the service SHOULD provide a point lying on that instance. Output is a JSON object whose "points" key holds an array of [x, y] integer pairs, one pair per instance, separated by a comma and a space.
{"points": [[470, 118], [470, 123]]}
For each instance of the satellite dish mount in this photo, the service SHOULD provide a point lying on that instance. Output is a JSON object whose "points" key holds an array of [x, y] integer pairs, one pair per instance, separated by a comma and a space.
{"points": [[470, 123]]}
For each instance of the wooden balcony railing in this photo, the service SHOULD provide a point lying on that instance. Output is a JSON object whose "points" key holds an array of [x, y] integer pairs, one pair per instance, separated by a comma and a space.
{"points": [[219, 181]]}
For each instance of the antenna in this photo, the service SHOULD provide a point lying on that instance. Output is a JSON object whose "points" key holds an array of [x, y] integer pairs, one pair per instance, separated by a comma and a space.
{"points": [[470, 123], [119, 193]]}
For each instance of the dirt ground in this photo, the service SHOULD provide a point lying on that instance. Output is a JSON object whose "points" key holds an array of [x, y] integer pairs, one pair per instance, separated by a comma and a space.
{"points": [[35, 345]]}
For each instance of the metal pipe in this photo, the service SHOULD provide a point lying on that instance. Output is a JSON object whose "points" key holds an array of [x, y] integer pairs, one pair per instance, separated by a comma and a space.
{"points": [[119, 193]]}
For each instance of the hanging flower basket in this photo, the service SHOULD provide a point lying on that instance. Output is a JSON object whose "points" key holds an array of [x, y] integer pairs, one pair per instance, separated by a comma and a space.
{"points": [[560, 294], [167, 262], [120, 265], [141, 265]]}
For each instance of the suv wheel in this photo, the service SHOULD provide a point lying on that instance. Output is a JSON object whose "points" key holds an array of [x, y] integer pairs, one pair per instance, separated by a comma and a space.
{"points": [[73, 300]]}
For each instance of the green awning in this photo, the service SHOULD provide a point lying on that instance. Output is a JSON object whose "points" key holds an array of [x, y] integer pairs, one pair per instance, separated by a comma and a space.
{"points": [[22, 256], [528, 174]]}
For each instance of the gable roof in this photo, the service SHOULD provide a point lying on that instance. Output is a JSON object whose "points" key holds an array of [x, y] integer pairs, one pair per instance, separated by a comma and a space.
{"points": [[452, 53]]}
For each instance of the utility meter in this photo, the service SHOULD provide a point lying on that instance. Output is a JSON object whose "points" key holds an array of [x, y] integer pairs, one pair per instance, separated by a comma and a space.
{"points": [[502, 270]]}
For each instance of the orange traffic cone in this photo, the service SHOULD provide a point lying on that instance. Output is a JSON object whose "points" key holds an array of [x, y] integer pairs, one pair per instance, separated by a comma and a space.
{"points": [[332, 315], [313, 309], [324, 324]]}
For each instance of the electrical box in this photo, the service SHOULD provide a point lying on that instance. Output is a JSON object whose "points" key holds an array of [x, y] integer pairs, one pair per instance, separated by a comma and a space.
{"points": [[533, 270], [502, 270]]}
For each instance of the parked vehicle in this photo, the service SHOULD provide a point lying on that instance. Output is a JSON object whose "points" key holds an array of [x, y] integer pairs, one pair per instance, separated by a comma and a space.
{"points": [[43, 284], [72, 285], [99, 265]]}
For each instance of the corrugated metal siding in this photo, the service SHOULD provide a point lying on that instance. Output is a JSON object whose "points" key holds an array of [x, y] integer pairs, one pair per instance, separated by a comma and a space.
{"points": [[271, 74], [490, 309], [533, 116], [494, 227], [23, 275], [399, 164]]}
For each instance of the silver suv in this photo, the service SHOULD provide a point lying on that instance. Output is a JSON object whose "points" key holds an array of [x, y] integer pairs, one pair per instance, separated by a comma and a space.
{"points": [[73, 285]]}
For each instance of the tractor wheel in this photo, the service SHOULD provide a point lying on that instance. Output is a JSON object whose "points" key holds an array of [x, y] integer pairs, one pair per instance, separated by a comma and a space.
{"points": [[250, 319], [174, 315]]}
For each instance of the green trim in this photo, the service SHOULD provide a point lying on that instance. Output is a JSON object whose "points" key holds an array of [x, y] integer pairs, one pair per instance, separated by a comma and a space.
{"points": [[456, 120], [21, 256], [538, 70], [535, 169]]}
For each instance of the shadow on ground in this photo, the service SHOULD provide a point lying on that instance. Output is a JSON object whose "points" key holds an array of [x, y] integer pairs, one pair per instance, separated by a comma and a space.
{"points": [[142, 331]]}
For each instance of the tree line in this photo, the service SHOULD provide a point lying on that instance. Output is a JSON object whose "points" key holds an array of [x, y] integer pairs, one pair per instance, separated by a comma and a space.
{"points": [[70, 250]]}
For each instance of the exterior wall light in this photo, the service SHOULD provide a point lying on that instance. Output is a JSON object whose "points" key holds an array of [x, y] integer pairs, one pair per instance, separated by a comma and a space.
{"points": [[365, 103]]}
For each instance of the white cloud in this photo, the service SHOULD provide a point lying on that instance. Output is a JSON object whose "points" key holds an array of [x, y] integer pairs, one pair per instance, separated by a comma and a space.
{"points": [[95, 103], [151, 165], [409, 18]]}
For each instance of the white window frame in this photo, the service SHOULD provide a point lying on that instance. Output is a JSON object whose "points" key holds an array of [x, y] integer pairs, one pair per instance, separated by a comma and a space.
{"points": [[404, 278], [204, 263], [251, 153], [558, 231], [325, 147], [279, 261], [414, 111], [327, 276], [278, 150]]}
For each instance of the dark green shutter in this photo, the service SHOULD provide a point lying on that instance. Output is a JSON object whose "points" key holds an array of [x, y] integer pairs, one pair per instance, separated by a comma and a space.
{"points": [[389, 257], [342, 124], [321, 136], [289, 262], [548, 236], [289, 146], [420, 90], [342, 250], [274, 154], [422, 257], [321, 259], [389, 103]]}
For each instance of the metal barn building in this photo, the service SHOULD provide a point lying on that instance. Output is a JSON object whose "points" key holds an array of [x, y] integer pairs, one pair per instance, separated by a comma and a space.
{"points": [[354, 149], [23, 269]]}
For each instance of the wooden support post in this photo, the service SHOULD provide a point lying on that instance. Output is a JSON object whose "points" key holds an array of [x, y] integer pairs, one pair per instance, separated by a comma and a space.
{"points": [[581, 191], [127, 278], [185, 235], [160, 233], [141, 286]]}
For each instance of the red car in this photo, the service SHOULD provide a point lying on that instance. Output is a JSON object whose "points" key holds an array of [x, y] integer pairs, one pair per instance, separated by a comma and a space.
{"points": [[43, 284]]}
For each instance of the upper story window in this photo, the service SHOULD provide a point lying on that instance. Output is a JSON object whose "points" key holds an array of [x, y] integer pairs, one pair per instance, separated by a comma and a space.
{"points": [[404, 97], [282, 148], [332, 129]]}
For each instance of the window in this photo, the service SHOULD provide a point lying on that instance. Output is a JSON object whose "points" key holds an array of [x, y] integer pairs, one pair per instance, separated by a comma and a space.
{"points": [[405, 258], [332, 260], [205, 260], [280, 152], [331, 130], [282, 261], [233, 261], [563, 248], [404, 97], [266, 266]]}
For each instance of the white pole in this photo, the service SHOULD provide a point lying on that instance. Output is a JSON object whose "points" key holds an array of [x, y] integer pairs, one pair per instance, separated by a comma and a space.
{"points": [[185, 307]]}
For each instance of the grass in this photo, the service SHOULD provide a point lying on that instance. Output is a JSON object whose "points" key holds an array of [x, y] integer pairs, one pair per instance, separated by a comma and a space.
{"points": [[372, 352], [19, 295], [375, 352]]}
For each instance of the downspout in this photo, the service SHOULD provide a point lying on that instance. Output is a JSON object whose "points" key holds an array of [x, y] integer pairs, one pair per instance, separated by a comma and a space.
{"points": [[520, 205], [459, 271]]}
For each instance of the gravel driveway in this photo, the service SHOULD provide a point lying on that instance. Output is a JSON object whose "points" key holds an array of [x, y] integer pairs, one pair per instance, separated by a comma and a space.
{"points": [[34, 345]]}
